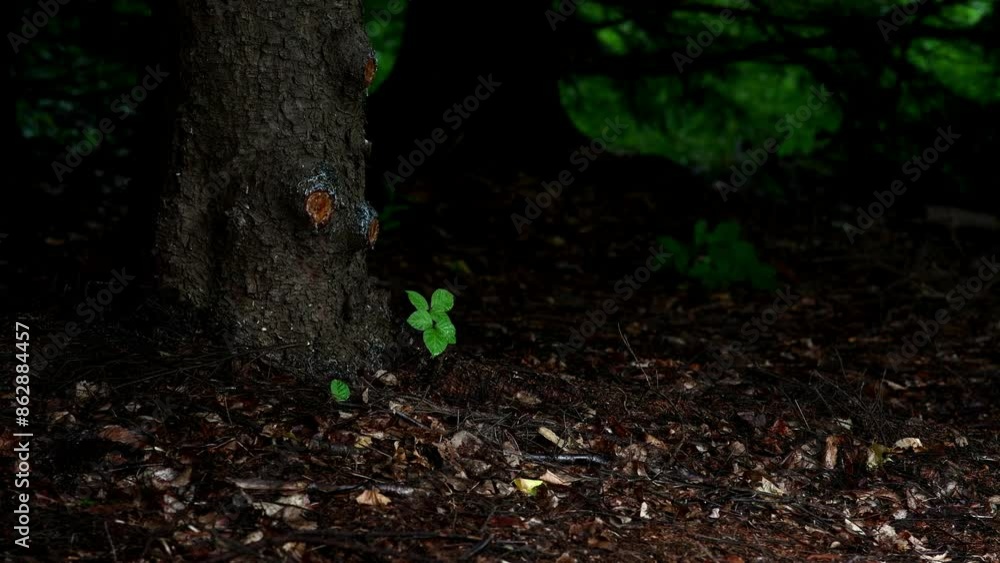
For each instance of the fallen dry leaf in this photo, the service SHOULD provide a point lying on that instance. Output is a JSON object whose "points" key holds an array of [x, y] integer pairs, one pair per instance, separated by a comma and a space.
{"points": [[526, 398], [552, 437], [372, 497], [121, 435], [854, 527], [766, 486], [465, 443], [655, 442], [167, 477], [554, 479], [644, 511], [831, 451], [386, 378], [909, 444]]}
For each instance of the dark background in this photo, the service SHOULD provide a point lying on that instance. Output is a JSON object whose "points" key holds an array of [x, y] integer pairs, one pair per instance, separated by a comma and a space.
{"points": [[894, 79], [677, 405]]}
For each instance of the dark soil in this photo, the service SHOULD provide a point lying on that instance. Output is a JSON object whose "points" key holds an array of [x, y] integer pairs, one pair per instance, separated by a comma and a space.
{"points": [[163, 444]]}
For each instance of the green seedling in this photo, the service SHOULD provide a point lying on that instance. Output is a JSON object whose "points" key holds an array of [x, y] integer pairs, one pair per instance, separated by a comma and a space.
{"points": [[339, 390], [719, 258], [433, 319]]}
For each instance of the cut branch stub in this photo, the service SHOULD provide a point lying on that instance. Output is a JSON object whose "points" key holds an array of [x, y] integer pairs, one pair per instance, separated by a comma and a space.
{"points": [[319, 207], [320, 192], [371, 67], [373, 229], [368, 223]]}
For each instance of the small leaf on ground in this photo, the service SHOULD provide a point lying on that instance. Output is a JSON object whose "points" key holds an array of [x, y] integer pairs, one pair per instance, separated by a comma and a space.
{"points": [[372, 497], [528, 486], [340, 391]]}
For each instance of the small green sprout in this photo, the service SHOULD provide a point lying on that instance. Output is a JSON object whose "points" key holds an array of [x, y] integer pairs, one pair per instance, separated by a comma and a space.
{"points": [[433, 319], [340, 391], [719, 258]]}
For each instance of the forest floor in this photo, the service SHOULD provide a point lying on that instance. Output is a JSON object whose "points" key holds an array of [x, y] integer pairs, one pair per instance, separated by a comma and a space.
{"points": [[650, 441]]}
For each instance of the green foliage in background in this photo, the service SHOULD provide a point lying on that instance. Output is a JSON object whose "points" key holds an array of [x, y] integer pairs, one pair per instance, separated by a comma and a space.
{"points": [[389, 215], [433, 319], [73, 84], [384, 26], [705, 115], [700, 116], [68, 81], [719, 258]]}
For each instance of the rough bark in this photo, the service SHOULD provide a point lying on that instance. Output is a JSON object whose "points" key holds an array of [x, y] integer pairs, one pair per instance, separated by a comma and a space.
{"points": [[264, 223]]}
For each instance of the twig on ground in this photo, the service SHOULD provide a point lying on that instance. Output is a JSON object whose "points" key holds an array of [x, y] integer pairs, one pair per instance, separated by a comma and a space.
{"points": [[410, 419], [567, 458], [634, 357], [477, 548], [114, 552]]}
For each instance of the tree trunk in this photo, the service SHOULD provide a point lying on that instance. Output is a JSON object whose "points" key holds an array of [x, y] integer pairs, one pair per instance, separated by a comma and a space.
{"points": [[264, 223]]}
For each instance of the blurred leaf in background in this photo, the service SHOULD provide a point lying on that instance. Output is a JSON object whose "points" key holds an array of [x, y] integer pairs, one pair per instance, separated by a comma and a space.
{"points": [[384, 25]]}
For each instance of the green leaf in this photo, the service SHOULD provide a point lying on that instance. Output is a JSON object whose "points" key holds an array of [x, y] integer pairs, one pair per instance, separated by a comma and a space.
{"points": [[447, 328], [701, 269], [728, 231], [743, 254], [418, 300], [680, 252], [682, 259], [528, 486], [442, 300], [764, 277], [340, 391], [420, 320], [670, 244], [700, 233], [435, 340]]}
